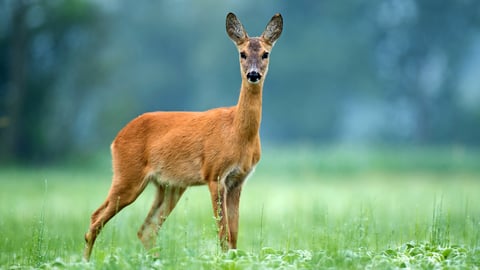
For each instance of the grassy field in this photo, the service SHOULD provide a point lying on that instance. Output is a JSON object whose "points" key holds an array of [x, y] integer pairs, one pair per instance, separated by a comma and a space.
{"points": [[302, 209]]}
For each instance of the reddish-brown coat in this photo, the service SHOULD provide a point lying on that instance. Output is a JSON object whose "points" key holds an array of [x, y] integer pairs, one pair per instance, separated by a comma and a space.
{"points": [[175, 150]]}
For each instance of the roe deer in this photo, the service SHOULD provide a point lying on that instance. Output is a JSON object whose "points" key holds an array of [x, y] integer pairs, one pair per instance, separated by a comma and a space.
{"points": [[175, 150]]}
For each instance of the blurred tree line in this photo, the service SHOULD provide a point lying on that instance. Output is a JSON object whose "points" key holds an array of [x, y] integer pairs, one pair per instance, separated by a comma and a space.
{"points": [[73, 72]]}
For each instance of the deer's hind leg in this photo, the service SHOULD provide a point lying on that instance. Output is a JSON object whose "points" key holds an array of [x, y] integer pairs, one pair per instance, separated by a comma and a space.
{"points": [[166, 199], [121, 194]]}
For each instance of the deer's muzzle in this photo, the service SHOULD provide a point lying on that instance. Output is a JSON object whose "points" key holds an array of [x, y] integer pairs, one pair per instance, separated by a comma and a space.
{"points": [[253, 77]]}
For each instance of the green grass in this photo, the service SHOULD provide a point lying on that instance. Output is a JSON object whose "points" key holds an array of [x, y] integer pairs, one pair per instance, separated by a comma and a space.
{"points": [[302, 209]]}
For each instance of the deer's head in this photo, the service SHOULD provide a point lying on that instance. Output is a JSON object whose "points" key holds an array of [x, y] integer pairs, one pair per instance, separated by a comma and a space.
{"points": [[254, 52]]}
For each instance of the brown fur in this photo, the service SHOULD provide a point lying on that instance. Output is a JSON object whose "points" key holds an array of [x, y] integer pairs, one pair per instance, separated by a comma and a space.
{"points": [[175, 150]]}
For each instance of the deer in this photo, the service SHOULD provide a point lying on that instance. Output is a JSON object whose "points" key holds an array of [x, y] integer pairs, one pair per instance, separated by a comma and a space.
{"points": [[172, 150]]}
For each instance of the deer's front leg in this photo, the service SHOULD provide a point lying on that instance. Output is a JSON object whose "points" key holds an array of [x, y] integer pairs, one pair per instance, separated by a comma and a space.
{"points": [[217, 193], [233, 202]]}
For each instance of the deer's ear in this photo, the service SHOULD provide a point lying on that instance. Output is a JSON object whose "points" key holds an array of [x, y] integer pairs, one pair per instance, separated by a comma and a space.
{"points": [[235, 29], [273, 30]]}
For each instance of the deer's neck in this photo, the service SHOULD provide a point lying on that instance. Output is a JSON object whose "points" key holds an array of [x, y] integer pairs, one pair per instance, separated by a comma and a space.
{"points": [[249, 111]]}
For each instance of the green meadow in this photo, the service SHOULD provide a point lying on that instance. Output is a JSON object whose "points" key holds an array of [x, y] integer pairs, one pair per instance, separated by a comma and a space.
{"points": [[304, 208]]}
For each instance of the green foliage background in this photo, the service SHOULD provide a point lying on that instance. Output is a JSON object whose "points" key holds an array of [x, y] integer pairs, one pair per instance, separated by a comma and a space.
{"points": [[384, 72]]}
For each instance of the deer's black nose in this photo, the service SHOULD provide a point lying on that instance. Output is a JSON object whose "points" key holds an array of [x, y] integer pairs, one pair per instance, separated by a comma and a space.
{"points": [[253, 76]]}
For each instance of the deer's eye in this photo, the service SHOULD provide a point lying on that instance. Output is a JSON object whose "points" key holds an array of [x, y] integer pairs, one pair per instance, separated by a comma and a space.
{"points": [[243, 55], [265, 55]]}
